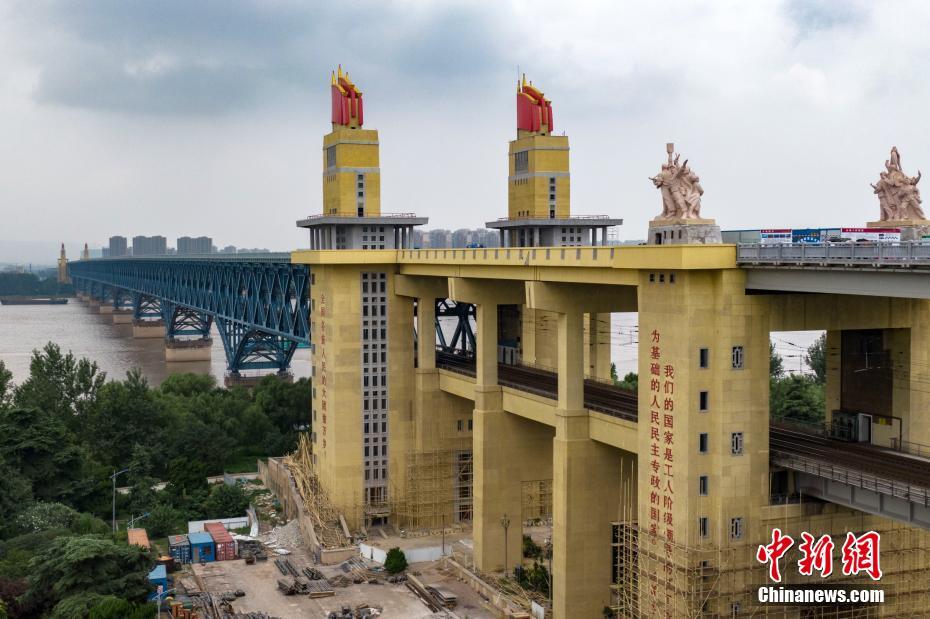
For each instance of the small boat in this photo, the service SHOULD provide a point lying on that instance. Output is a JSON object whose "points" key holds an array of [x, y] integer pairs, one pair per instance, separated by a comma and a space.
{"points": [[22, 300]]}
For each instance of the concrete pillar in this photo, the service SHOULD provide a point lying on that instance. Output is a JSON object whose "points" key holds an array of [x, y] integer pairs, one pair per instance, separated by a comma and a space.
{"points": [[122, 316], [585, 501], [486, 342], [426, 333], [105, 308], [571, 363], [148, 329], [188, 350]]}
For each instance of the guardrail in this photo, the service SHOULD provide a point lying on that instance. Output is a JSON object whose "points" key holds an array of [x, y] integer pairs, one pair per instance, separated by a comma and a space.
{"points": [[212, 257], [909, 447], [850, 477], [361, 219], [841, 254]]}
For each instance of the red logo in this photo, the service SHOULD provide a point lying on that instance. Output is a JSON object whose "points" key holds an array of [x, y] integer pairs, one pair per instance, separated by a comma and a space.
{"points": [[858, 554]]}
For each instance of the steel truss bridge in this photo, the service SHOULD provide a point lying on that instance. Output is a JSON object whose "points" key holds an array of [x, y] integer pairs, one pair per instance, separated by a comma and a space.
{"points": [[258, 302]]}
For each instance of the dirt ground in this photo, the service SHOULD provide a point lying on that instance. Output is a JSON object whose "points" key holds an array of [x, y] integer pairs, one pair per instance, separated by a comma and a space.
{"points": [[259, 581]]}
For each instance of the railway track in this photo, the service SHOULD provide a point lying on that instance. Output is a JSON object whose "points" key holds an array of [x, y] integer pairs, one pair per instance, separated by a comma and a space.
{"points": [[854, 456], [598, 396], [782, 440]]}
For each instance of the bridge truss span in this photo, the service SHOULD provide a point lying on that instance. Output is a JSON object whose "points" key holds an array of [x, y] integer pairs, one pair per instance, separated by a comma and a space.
{"points": [[260, 304]]}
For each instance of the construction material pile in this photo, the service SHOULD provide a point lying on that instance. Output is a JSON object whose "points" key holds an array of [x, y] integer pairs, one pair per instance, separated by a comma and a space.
{"points": [[325, 517], [313, 585]]}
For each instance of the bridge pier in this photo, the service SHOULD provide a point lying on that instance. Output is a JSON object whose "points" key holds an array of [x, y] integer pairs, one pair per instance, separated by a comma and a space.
{"points": [[122, 316], [179, 351], [105, 308], [148, 329]]}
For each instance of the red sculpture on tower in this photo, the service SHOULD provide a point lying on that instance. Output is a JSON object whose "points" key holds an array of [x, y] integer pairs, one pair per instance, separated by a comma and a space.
{"points": [[534, 111], [347, 101]]}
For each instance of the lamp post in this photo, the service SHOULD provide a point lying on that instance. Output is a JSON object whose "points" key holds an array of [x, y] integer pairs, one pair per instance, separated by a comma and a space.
{"points": [[549, 556], [113, 477], [505, 522], [158, 596]]}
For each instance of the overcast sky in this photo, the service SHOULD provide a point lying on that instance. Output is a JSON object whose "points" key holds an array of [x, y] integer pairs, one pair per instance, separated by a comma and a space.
{"points": [[187, 117]]}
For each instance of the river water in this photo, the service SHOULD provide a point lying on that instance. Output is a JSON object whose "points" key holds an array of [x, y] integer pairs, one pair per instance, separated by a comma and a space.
{"points": [[79, 328]]}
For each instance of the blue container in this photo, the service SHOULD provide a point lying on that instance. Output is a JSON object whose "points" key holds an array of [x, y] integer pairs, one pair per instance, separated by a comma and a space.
{"points": [[159, 578], [202, 548], [179, 547]]}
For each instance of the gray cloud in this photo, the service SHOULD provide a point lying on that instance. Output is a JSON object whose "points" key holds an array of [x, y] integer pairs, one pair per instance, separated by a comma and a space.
{"points": [[213, 57]]}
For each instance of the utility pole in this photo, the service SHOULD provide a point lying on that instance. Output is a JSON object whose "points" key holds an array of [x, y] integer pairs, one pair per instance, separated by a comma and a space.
{"points": [[113, 477], [443, 535], [549, 553], [505, 522]]}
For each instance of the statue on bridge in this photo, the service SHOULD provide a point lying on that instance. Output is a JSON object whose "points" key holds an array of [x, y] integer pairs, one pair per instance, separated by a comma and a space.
{"points": [[681, 188], [898, 195]]}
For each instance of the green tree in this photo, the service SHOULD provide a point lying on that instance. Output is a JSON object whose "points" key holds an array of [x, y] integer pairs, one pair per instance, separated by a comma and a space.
{"points": [[797, 398], [776, 363], [164, 520], [630, 382], [188, 385], [60, 384], [816, 358], [42, 449], [125, 414], [86, 564], [396, 561], [15, 492], [6, 385], [44, 516], [613, 373], [226, 501]]}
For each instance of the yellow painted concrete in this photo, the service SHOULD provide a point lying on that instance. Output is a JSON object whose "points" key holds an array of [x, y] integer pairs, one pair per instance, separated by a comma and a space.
{"points": [[356, 152]]}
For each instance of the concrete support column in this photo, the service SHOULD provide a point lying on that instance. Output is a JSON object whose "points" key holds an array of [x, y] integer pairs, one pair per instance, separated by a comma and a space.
{"points": [[105, 308], [148, 329], [177, 350], [122, 316], [486, 342], [571, 363], [585, 501], [426, 333]]}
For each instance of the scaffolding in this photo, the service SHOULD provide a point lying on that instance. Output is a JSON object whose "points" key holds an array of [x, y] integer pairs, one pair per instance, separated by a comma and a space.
{"points": [[326, 522], [653, 579], [537, 501], [437, 490]]}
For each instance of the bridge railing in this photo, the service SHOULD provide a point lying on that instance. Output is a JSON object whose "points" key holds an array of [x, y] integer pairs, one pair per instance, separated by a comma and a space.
{"points": [[852, 477], [847, 254], [909, 447]]}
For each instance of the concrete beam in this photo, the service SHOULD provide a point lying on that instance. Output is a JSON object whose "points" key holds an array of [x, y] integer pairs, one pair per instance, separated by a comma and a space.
{"points": [[421, 287], [587, 298], [478, 291], [872, 283]]}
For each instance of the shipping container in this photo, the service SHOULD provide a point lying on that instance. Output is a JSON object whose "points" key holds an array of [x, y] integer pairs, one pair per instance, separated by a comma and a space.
{"points": [[180, 548], [223, 541], [138, 537], [202, 548], [159, 578]]}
